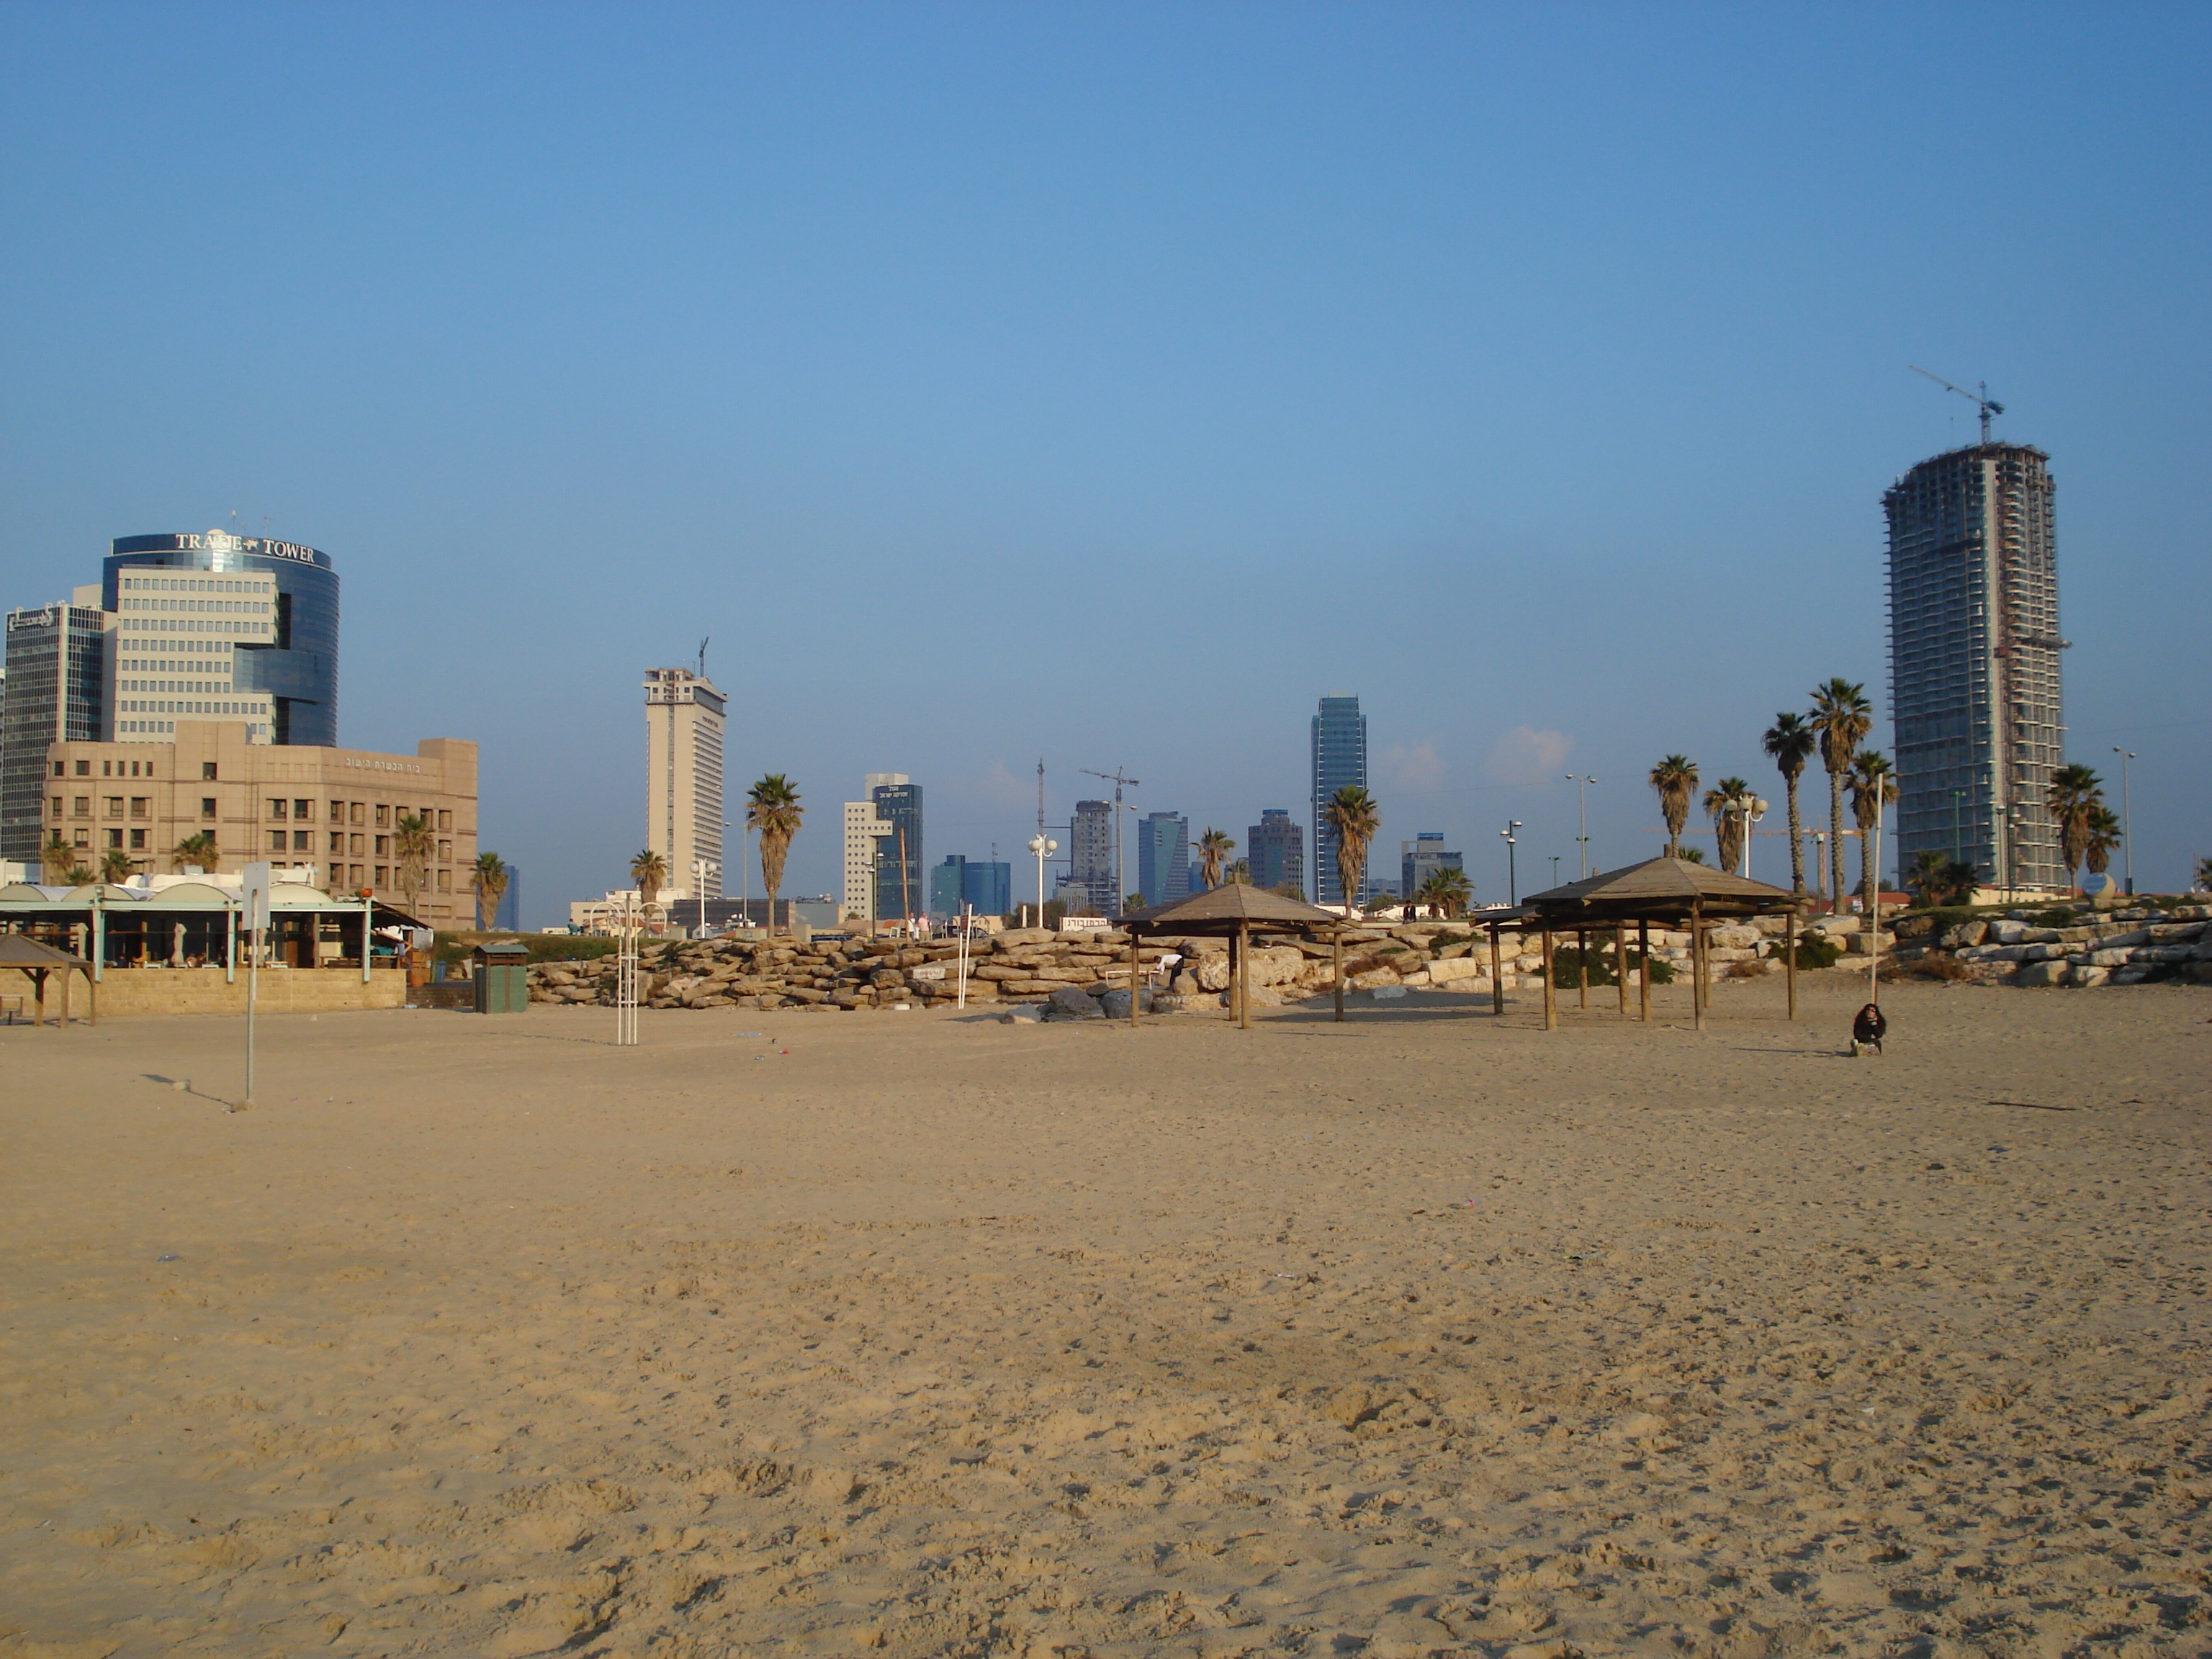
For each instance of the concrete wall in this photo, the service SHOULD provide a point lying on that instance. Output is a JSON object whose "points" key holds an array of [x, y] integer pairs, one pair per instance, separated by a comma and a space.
{"points": [[134, 991]]}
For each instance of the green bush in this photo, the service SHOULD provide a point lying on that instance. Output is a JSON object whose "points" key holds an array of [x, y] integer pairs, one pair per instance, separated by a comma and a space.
{"points": [[1814, 951], [1567, 966], [544, 947]]}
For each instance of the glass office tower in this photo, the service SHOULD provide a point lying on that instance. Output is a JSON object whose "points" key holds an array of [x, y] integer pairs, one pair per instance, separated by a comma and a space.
{"points": [[1164, 858], [57, 659], [1339, 757], [298, 668]]}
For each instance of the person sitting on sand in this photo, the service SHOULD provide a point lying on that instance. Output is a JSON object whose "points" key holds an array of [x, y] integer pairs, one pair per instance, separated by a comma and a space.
{"points": [[1867, 1030]]}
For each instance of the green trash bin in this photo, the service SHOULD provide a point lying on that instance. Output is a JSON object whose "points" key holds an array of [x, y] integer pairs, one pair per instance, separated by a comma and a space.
{"points": [[502, 974]]}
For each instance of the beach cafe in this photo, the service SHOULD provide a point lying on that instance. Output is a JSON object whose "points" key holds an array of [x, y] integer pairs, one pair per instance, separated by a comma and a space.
{"points": [[194, 920]]}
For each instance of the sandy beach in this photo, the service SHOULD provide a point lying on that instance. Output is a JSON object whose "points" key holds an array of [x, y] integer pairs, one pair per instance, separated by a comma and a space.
{"points": [[923, 1334]]}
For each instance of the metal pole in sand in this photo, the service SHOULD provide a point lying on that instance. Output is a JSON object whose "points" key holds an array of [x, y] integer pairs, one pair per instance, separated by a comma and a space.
{"points": [[1244, 975], [1135, 982], [1336, 961], [1581, 960], [1497, 978], [1620, 966]]}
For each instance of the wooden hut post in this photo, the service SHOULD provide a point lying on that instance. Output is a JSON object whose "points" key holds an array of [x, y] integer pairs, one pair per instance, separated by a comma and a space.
{"points": [[1643, 968], [1496, 977], [1550, 996], [1336, 961], [1582, 955], [1697, 963], [1789, 959], [39, 1017], [1620, 966], [65, 998], [92, 995], [1136, 982], [1244, 975]]}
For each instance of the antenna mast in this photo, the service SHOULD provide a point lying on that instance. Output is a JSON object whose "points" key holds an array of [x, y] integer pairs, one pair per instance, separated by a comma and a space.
{"points": [[702, 657], [1981, 400]]}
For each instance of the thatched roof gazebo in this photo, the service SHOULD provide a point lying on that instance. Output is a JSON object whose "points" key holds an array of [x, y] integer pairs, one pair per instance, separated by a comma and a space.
{"points": [[1666, 889], [35, 962], [1234, 912]]}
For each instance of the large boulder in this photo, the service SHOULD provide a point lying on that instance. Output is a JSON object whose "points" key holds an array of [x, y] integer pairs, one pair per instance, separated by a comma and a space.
{"points": [[2087, 977], [1115, 1005], [1072, 1002]]}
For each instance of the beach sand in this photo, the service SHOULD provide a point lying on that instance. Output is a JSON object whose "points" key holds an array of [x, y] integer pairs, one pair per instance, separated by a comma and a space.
{"points": [[921, 1335]]}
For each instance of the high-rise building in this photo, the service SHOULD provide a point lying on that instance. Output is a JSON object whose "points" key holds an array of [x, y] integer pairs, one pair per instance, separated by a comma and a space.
{"points": [[985, 885], [1276, 849], [56, 677], [684, 717], [508, 918], [1091, 857], [1973, 651], [1339, 757], [1421, 858], [186, 645], [898, 852], [1164, 857], [864, 832], [274, 642]]}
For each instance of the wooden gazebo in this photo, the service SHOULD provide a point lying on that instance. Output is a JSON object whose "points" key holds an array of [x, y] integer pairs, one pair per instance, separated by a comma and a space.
{"points": [[1669, 890], [1234, 912], [35, 962]]}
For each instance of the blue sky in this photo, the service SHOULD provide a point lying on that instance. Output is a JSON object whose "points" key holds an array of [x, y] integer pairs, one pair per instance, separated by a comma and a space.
{"points": [[1103, 384]]}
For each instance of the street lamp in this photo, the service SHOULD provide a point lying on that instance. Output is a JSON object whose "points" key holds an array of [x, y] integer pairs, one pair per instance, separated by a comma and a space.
{"points": [[1751, 809], [1044, 847], [1555, 869], [1512, 882], [1582, 821], [700, 867], [2127, 839]]}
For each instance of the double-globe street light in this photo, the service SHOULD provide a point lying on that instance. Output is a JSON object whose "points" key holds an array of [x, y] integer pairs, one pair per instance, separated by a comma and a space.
{"points": [[1044, 847], [1512, 880]]}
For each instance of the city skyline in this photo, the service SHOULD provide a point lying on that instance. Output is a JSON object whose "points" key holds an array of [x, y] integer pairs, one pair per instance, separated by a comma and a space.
{"points": [[1281, 314]]}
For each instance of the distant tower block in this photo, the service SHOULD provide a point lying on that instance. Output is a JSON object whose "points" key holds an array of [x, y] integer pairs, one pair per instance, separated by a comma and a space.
{"points": [[1339, 757], [1973, 653], [683, 716]]}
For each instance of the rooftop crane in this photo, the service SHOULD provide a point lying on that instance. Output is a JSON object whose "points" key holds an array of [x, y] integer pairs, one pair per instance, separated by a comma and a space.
{"points": [[1980, 398]]}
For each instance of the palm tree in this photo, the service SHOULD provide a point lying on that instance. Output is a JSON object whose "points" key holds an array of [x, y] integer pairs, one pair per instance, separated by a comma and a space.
{"points": [[648, 873], [1213, 847], [2104, 836], [772, 809], [1789, 741], [412, 842], [1728, 821], [1239, 874], [1873, 786], [197, 849], [1676, 778], [1448, 891], [2203, 874], [489, 876], [55, 859], [1937, 879], [2075, 794], [1353, 816], [1842, 715], [117, 866]]}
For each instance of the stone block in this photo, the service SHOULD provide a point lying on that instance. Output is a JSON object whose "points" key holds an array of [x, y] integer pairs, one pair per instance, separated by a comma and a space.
{"points": [[2088, 978], [2041, 974]]}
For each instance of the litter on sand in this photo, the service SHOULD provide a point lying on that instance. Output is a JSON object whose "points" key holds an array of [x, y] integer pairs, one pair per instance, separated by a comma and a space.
{"points": [[171, 1257]]}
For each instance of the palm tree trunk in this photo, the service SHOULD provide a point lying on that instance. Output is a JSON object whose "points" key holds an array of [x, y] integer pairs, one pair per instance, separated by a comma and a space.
{"points": [[1797, 842], [1836, 838], [1867, 850]]}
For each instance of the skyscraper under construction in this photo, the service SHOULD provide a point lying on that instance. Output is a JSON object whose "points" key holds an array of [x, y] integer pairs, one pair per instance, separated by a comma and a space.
{"points": [[1973, 653]]}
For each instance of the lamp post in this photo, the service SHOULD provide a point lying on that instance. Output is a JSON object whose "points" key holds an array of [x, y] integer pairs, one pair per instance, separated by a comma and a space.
{"points": [[1044, 847], [1555, 868], [2127, 836], [1582, 822], [1751, 809], [1512, 881], [700, 870]]}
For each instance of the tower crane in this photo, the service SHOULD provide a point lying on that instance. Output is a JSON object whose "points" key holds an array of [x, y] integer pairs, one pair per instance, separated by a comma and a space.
{"points": [[1981, 400], [1121, 869]]}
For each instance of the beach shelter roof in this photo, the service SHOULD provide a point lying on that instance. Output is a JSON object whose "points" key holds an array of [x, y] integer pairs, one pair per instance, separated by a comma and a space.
{"points": [[18, 952], [1229, 907], [1655, 889]]}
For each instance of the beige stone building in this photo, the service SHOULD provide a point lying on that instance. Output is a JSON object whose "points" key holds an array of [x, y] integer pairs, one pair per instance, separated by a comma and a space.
{"points": [[684, 822], [335, 810]]}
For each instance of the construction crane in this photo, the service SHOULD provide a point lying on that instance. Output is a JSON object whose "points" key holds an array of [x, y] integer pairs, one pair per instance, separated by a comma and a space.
{"points": [[1121, 869], [1981, 400]]}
